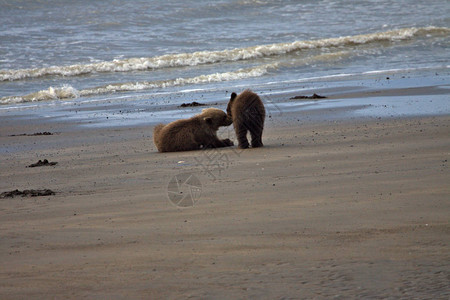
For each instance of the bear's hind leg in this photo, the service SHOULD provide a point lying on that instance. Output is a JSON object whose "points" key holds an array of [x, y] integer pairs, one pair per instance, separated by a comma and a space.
{"points": [[241, 134], [256, 135], [256, 126]]}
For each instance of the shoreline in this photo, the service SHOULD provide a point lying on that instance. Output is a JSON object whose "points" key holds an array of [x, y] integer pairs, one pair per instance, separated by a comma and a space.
{"points": [[388, 93], [348, 205]]}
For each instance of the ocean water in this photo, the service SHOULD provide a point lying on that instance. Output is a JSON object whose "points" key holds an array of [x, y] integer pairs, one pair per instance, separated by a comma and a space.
{"points": [[150, 56]]}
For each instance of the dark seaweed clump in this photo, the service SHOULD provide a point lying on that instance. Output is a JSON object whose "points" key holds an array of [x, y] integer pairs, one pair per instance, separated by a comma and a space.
{"points": [[314, 96], [33, 134], [27, 193], [192, 104], [41, 163]]}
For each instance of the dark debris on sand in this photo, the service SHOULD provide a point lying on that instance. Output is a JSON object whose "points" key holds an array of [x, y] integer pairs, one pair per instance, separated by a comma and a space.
{"points": [[41, 163], [27, 193], [314, 96], [33, 134], [192, 104]]}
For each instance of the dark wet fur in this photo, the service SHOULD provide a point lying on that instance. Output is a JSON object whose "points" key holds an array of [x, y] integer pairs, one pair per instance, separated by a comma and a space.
{"points": [[196, 133], [248, 114]]}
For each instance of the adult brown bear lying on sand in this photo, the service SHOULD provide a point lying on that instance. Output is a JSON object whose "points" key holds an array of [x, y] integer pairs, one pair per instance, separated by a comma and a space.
{"points": [[195, 133], [248, 114]]}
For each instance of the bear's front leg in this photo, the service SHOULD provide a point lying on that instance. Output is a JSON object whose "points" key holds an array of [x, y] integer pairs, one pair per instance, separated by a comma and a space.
{"points": [[216, 143], [228, 142]]}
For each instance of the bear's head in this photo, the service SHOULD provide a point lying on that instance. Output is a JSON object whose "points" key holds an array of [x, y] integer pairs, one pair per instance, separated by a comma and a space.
{"points": [[215, 118], [230, 104]]}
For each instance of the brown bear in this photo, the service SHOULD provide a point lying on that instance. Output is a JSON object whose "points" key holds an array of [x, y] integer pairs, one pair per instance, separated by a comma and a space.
{"points": [[195, 133], [248, 114]]}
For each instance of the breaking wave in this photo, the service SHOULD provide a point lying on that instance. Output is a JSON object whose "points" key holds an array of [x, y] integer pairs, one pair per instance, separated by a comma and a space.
{"points": [[210, 57], [68, 92]]}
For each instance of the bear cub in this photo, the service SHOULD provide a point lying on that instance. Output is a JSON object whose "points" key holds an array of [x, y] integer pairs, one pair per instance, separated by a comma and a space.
{"points": [[248, 114], [195, 133]]}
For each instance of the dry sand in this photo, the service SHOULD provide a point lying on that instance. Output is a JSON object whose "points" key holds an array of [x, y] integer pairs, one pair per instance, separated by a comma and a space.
{"points": [[342, 209]]}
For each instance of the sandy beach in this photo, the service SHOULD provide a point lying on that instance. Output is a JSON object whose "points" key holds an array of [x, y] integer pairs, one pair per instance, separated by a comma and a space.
{"points": [[350, 208]]}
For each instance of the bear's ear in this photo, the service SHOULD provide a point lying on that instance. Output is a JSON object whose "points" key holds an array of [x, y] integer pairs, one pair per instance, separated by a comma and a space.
{"points": [[233, 96], [208, 120]]}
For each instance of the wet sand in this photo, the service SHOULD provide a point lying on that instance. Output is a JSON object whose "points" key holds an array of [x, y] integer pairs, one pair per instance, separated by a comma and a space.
{"points": [[349, 208]]}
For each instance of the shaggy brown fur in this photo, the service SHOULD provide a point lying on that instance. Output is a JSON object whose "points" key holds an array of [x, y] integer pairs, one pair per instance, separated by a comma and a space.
{"points": [[195, 133], [248, 114]]}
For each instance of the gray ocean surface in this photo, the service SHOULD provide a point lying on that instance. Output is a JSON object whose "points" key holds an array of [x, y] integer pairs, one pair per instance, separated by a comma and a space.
{"points": [[144, 54]]}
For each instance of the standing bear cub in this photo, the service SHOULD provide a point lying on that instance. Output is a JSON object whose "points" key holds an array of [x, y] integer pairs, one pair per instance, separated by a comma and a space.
{"points": [[195, 133], [248, 114]]}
